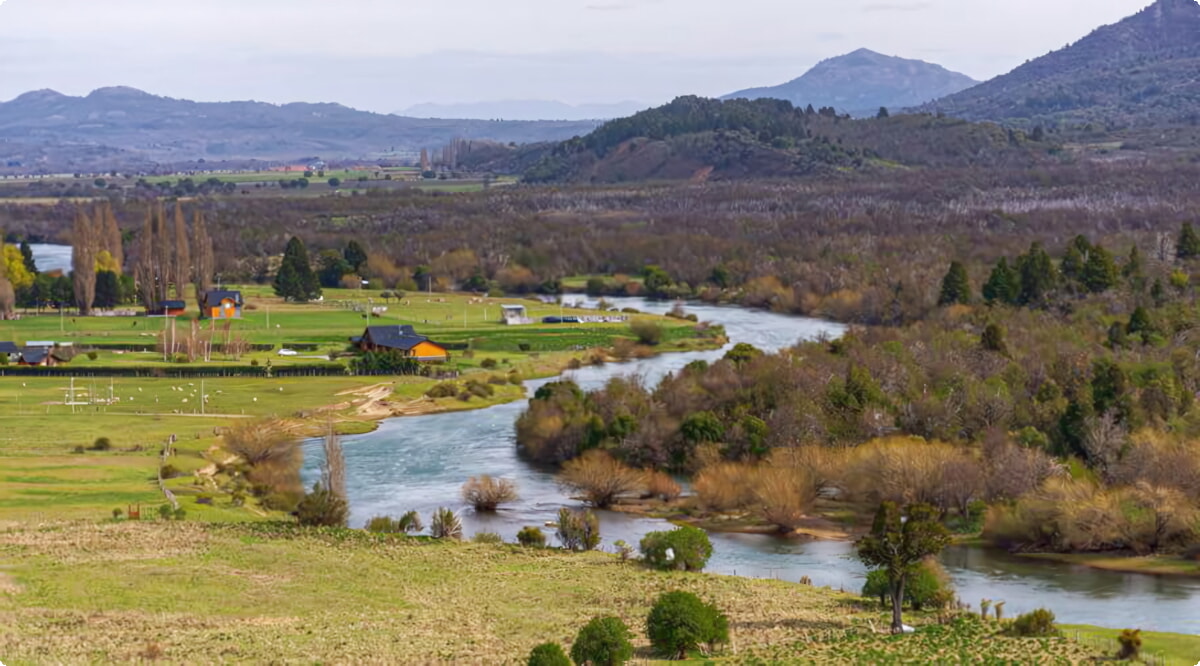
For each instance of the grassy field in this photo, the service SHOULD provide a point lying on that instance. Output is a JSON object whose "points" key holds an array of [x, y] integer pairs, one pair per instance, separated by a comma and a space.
{"points": [[1181, 649], [105, 592], [44, 478]]}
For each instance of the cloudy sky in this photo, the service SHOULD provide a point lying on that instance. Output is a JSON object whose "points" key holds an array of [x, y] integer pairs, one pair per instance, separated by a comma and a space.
{"points": [[385, 55]]}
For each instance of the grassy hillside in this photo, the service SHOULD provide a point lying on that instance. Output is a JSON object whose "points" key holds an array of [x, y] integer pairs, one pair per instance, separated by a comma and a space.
{"points": [[187, 592]]}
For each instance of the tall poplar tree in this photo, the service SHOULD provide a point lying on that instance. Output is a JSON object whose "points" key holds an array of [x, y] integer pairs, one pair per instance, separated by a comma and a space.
{"points": [[202, 255], [181, 256], [84, 244]]}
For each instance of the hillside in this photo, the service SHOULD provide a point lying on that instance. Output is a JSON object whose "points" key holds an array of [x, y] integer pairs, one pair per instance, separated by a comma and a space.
{"points": [[1142, 70], [859, 83], [48, 131], [532, 109], [187, 592], [699, 139]]}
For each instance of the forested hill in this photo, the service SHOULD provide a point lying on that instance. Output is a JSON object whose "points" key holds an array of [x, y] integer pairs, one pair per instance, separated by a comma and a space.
{"points": [[1143, 70], [697, 138]]}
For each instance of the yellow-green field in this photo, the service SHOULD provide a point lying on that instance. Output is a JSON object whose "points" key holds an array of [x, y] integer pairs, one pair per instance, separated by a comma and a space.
{"points": [[126, 592]]}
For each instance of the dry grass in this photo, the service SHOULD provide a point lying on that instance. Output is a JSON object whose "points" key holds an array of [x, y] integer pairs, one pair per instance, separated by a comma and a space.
{"points": [[101, 593]]}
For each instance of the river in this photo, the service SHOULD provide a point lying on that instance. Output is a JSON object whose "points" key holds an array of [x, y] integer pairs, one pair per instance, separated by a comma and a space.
{"points": [[51, 257], [421, 462]]}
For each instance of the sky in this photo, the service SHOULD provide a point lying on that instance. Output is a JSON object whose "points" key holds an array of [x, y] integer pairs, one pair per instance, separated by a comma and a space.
{"points": [[386, 55]]}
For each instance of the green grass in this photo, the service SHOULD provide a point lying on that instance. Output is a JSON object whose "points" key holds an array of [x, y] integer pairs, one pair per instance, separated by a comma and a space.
{"points": [[1181, 649], [114, 592]]}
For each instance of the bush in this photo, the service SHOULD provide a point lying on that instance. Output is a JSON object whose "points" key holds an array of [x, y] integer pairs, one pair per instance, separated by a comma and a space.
{"points": [[480, 389], [603, 642], [323, 508], [487, 537], [548, 654], [101, 444], [689, 549], [93, 355], [443, 390], [647, 332], [1131, 644], [531, 536], [578, 530], [680, 622], [285, 501], [599, 478], [165, 512], [1036, 623], [488, 364], [661, 486], [117, 513], [445, 524], [485, 493], [170, 471], [409, 523]]}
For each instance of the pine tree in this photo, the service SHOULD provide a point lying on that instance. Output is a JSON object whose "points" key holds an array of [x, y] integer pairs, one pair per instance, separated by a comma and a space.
{"points": [[956, 286], [1133, 269], [1074, 259], [1003, 285], [296, 280], [1037, 274], [1188, 246], [1100, 271], [356, 256]]}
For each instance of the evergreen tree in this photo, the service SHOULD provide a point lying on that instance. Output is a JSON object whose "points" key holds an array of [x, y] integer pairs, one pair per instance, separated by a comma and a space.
{"points": [[1133, 269], [1100, 271], [1037, 274], [356, 256], [296, 280], [108, 290], [897, 543], [1003, 285], [1110, 390], [1075, 258], [27, 256], [883, 112], [1158, 293], [1141, 324], [956, 286], [1188, 246]]}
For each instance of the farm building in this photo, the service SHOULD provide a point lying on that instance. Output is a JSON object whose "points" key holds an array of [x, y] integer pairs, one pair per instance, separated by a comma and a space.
{"points": [[169, 309], [37, 356], [221, 305], [402, 339], [514, 315]]}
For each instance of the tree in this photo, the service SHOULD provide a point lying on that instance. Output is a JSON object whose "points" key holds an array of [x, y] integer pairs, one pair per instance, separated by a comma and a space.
{"points": [[679, 622], [181, 255], [1100, 271], [355, 255], [602, 642], [897, 543], [599, 477], [1141, 324], [8, 300], [548, 654], [656, 279], [1003, 285], [331, 268], [27, 257], [84, 242], [578, 530], [956, 286], [296, 280], [1188, 246], [322, 508], [202, 254], [1077, 254], [993, 339], [1133, 270], [1038, 277], [108, 290], [883, 113], [685, 548]]}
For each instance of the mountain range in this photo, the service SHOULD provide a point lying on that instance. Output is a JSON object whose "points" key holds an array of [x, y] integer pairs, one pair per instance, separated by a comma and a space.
{"points": [[532, 109], [861, 82], [48, 130], [1143, 70]]}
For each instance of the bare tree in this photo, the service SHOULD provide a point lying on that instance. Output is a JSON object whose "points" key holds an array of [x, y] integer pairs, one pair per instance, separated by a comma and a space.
{"points": [[83, 261], [8, 299], [1103, 441], [333, 469], [202, 255], [181, 257], [110, 234]]}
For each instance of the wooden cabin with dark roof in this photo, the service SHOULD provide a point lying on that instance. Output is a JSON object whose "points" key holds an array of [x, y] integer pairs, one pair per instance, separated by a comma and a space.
{"points": [[401, 339], [218, 304]]}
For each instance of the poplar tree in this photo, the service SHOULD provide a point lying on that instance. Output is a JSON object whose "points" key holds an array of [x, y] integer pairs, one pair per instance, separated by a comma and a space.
{"points": [[84, 243], [202, 254], [181, 256]]}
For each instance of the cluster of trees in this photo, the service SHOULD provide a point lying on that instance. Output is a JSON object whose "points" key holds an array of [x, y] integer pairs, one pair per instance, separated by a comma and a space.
{"points": [[170, 256]]}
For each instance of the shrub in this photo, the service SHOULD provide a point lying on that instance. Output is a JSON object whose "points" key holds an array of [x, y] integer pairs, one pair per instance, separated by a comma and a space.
{"points": [[322, 508], [679, 622], [409, 523], [623, 549], [117, 513], [684, 548], [784, 495], [488, 363], [548, 654], [480, 389], [180, 514], [487, 537], [578, 530], [531, 536], [603, 642], [646, 331], [598, 478], [93, 355], [929, 586], [443, 390], [169, 471], [101, 444], [726, 487], [273, 454], [1036, 623], [1131, 644], [285, 501], [661, 486], [445, 524], [485, 493], [165, 512]]}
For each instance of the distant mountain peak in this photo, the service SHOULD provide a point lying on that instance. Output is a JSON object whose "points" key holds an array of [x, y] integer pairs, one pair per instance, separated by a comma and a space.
{"points": [[1141, 69], [120, 91], [43, 95], [863, 80]]}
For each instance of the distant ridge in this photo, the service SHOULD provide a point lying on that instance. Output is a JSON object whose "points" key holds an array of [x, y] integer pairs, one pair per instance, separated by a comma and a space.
{"points": [[525, 110], [1143, 70], [47, 130], [861, 82]]}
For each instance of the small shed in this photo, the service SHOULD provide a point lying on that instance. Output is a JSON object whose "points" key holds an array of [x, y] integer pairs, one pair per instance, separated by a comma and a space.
{"points": [[514, 315], [169, 309]]}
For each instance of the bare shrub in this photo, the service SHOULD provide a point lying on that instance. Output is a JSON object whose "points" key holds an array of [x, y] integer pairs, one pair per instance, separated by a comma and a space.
{"points": [[599, 478], [486, 494], [784, 495], [1011, 470], [333, 468], [445, 524], [272, 454], [660, 485], [726, 487]]}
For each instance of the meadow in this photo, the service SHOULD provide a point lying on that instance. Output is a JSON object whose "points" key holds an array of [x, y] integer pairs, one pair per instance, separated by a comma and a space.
{"points": [[200, 593]]}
